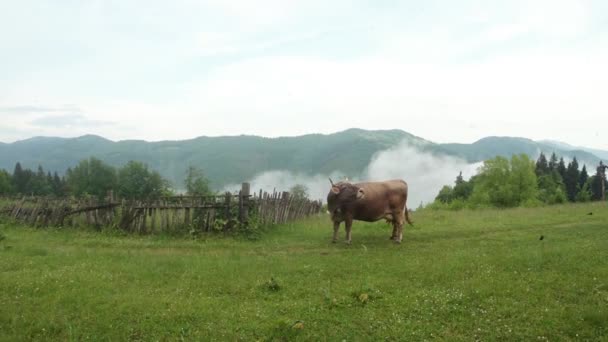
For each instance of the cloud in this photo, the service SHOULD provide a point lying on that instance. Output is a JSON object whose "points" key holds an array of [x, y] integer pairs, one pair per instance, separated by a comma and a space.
{"points": [[280, 180], [69, 121], [425, 173], [28, 109], [479, 68]]}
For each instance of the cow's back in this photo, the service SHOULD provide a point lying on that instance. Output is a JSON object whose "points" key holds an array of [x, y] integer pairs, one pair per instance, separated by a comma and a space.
{"points": [[380, 198]]}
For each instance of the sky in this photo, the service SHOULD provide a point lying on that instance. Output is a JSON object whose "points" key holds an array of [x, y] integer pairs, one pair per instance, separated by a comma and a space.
{"points": [[447, 71]]}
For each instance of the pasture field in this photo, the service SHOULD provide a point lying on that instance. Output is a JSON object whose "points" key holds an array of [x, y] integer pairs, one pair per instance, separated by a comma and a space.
{"points": [[466, 275]]}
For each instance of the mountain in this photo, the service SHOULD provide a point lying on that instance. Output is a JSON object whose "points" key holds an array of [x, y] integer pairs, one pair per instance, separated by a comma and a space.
{"points": [[233, 159], [230, 159], [490, 147], [567, 147]]}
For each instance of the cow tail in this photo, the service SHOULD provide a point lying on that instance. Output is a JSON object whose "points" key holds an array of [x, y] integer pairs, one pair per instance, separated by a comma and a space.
{"points": [[407, 217], [407, 213]]}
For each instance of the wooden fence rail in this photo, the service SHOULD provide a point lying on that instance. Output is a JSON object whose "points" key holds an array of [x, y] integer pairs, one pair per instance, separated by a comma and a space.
{"points": [[166, 214]]}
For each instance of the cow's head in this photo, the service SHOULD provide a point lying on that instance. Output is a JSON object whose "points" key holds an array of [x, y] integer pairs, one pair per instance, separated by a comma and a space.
{"points": [[346, 191], [341, 194]]}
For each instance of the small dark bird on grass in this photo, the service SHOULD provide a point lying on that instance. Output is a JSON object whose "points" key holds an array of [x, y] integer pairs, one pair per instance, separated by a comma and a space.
{"points": [[542, 237], [590, 214]]}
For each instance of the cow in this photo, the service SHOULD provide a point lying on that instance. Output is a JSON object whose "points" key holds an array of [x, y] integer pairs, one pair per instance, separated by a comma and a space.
{"points": [[369, 202]]}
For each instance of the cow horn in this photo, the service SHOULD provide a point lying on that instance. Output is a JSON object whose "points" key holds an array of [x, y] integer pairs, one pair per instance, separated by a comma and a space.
{"points": [[332, 182]]}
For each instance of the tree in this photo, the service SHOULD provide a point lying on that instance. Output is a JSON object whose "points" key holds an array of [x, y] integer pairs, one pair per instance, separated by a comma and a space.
{"points": [[493, 185], [196, 183], [58, 186], [523, 180], [561, 167], [49, 183], [551, 188], [596, 184], [38, 184], [571, 180], [445, 195], [299, 191], [584, 177], [462, 189], [553, 162], [542, 165], [136, 181], [505, 183], [584, 194], [6, 188], [91, 177], [20, 179]]}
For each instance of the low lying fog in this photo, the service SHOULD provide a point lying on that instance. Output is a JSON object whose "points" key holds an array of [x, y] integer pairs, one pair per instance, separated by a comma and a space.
{"points": [[425, 174]]}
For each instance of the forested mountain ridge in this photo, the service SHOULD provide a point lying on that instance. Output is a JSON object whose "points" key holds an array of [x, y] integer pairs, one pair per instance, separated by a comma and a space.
{"points": [[232, 159], [491, 147]]}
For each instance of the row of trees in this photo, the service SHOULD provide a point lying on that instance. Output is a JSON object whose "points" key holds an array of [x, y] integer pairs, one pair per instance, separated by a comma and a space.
{"points": [[93, 177], [520, 181]]}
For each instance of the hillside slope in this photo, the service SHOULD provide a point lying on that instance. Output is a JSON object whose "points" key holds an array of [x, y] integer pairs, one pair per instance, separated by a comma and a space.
{"points": [[233, 159]]}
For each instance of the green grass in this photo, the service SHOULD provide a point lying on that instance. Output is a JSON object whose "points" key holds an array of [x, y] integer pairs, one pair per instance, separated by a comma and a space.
{"points": [[457, 276]]}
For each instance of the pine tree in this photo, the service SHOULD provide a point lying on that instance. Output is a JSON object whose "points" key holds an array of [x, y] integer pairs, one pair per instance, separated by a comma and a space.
{"points": [[462, 189], [542, 166], [553, 162], [583, 177], [459, 179], [561, 167], [596, 183], [49, 183], [19, 179], [39, 183], [571, 180], [57, 185]]}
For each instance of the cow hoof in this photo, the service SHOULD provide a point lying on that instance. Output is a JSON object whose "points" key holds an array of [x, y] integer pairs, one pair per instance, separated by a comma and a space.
{"points": [[391, 238], [348, 243], [334, 241], [398, 242]]}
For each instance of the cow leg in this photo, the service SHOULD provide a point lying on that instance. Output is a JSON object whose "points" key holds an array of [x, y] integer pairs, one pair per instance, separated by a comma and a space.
{"points": [[336, 229], [390, 219], [400, 219], [349, 224], [394, 234], [400, 234]]}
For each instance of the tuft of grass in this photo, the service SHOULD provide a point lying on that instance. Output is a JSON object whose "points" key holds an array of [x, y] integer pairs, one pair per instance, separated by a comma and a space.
{"points": [[458, 275], [365, 296], [272, 285]]}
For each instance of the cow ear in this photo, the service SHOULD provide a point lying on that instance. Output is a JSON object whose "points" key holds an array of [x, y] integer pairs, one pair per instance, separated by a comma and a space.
{"points": [[360, 194], [335, 190]]}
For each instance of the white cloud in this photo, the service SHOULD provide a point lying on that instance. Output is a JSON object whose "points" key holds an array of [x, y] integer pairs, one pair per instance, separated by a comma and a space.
{"points": [[557, 18], [445, 73], [424, 172], [505, 32], [281, 180]]}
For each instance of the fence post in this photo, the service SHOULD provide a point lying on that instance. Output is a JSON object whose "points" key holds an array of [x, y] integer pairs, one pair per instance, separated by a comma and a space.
{"points": [[227, 199], [244, 203], [285, 207]]}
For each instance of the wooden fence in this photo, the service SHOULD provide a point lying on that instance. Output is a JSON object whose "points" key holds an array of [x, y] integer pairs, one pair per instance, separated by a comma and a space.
{"points": [[280, 207], [166, 214]]}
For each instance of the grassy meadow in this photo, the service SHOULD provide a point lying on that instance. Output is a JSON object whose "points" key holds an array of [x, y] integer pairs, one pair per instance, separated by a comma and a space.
{"points": [[466, 275]]}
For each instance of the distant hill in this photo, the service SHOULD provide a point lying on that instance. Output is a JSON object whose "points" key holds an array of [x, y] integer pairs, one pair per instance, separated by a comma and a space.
{"points": [[233, 159], [567, 147], [490, 147]]}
